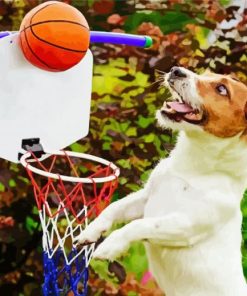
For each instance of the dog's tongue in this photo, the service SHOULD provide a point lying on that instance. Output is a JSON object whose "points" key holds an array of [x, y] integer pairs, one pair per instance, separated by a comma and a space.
{"points": [[180, 107]]}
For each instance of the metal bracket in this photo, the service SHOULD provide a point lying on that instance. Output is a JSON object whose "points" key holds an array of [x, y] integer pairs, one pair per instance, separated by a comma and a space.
{"points": [[33, 145]]}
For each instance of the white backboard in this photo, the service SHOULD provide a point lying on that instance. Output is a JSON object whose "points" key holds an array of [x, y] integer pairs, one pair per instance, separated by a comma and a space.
{"points": [[52, 106]]}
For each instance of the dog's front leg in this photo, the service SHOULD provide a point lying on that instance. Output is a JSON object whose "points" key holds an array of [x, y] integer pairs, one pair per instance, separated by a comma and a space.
{"points": [[177, 229], [126, 209], [172, 230]]}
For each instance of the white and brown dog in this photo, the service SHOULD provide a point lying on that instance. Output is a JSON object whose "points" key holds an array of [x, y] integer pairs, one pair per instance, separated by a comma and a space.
{"points": [[188, 213]]}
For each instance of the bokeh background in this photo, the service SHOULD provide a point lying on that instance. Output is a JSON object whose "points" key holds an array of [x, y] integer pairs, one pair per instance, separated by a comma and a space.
{"points": [[194, 34]]}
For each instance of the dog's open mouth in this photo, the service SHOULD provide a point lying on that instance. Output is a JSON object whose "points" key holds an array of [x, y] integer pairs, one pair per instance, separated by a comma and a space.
{"points": [[178, 111]]}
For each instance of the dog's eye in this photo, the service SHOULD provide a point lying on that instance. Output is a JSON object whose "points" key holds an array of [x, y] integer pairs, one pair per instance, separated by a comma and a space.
{"points": [[222, 90]]}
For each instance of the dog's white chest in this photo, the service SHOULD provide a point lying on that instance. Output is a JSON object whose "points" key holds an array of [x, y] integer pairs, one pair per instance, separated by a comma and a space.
{"points": [[170, 191], [169, 194]]}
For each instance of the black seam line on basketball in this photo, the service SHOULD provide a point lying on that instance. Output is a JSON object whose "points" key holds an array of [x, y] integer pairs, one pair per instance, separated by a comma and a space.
{"points": [[45, 40], [55, 45], [37, 57], [55, 21], [40, 10]]}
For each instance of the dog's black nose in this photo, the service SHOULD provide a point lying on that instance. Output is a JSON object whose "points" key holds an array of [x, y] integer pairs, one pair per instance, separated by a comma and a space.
{"points": [[177, 72]]}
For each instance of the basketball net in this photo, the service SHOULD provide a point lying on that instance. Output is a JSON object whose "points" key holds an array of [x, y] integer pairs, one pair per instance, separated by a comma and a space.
{"points": [[66, 204]]}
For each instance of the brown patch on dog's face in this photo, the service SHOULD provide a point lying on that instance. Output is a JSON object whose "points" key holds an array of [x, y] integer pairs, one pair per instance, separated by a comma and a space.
{"points": [[225, 104]]}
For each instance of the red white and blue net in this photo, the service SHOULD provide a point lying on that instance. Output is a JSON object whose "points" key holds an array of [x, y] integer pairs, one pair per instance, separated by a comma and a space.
{"points": [[66, 205]]}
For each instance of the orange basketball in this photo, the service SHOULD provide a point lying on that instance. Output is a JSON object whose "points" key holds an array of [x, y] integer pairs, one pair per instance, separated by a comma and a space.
{"points": [[54, 36]]}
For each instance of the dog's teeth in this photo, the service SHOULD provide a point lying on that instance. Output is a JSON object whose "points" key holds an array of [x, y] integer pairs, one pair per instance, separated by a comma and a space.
{"points": [[193, 116]]}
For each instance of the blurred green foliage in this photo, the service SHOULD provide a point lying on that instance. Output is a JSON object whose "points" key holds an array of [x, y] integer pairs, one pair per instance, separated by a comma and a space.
{"points": [[122, 128], [168, 22]]}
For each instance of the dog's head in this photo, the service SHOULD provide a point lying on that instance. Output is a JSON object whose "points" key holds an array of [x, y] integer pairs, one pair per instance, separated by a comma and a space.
{"points": [[209, 102]]}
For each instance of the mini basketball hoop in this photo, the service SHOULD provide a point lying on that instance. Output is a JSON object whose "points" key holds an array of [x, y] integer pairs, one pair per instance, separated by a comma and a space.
{"points": [[66, 199], [66, 203]]}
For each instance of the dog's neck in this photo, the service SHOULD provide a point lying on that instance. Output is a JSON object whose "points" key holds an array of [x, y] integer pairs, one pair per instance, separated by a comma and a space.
{"points": [[201, 152]]}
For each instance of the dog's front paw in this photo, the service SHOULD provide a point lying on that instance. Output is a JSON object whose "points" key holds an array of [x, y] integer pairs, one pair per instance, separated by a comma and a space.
{"points": [[112, 247], [86, 237], [92, 233]]}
